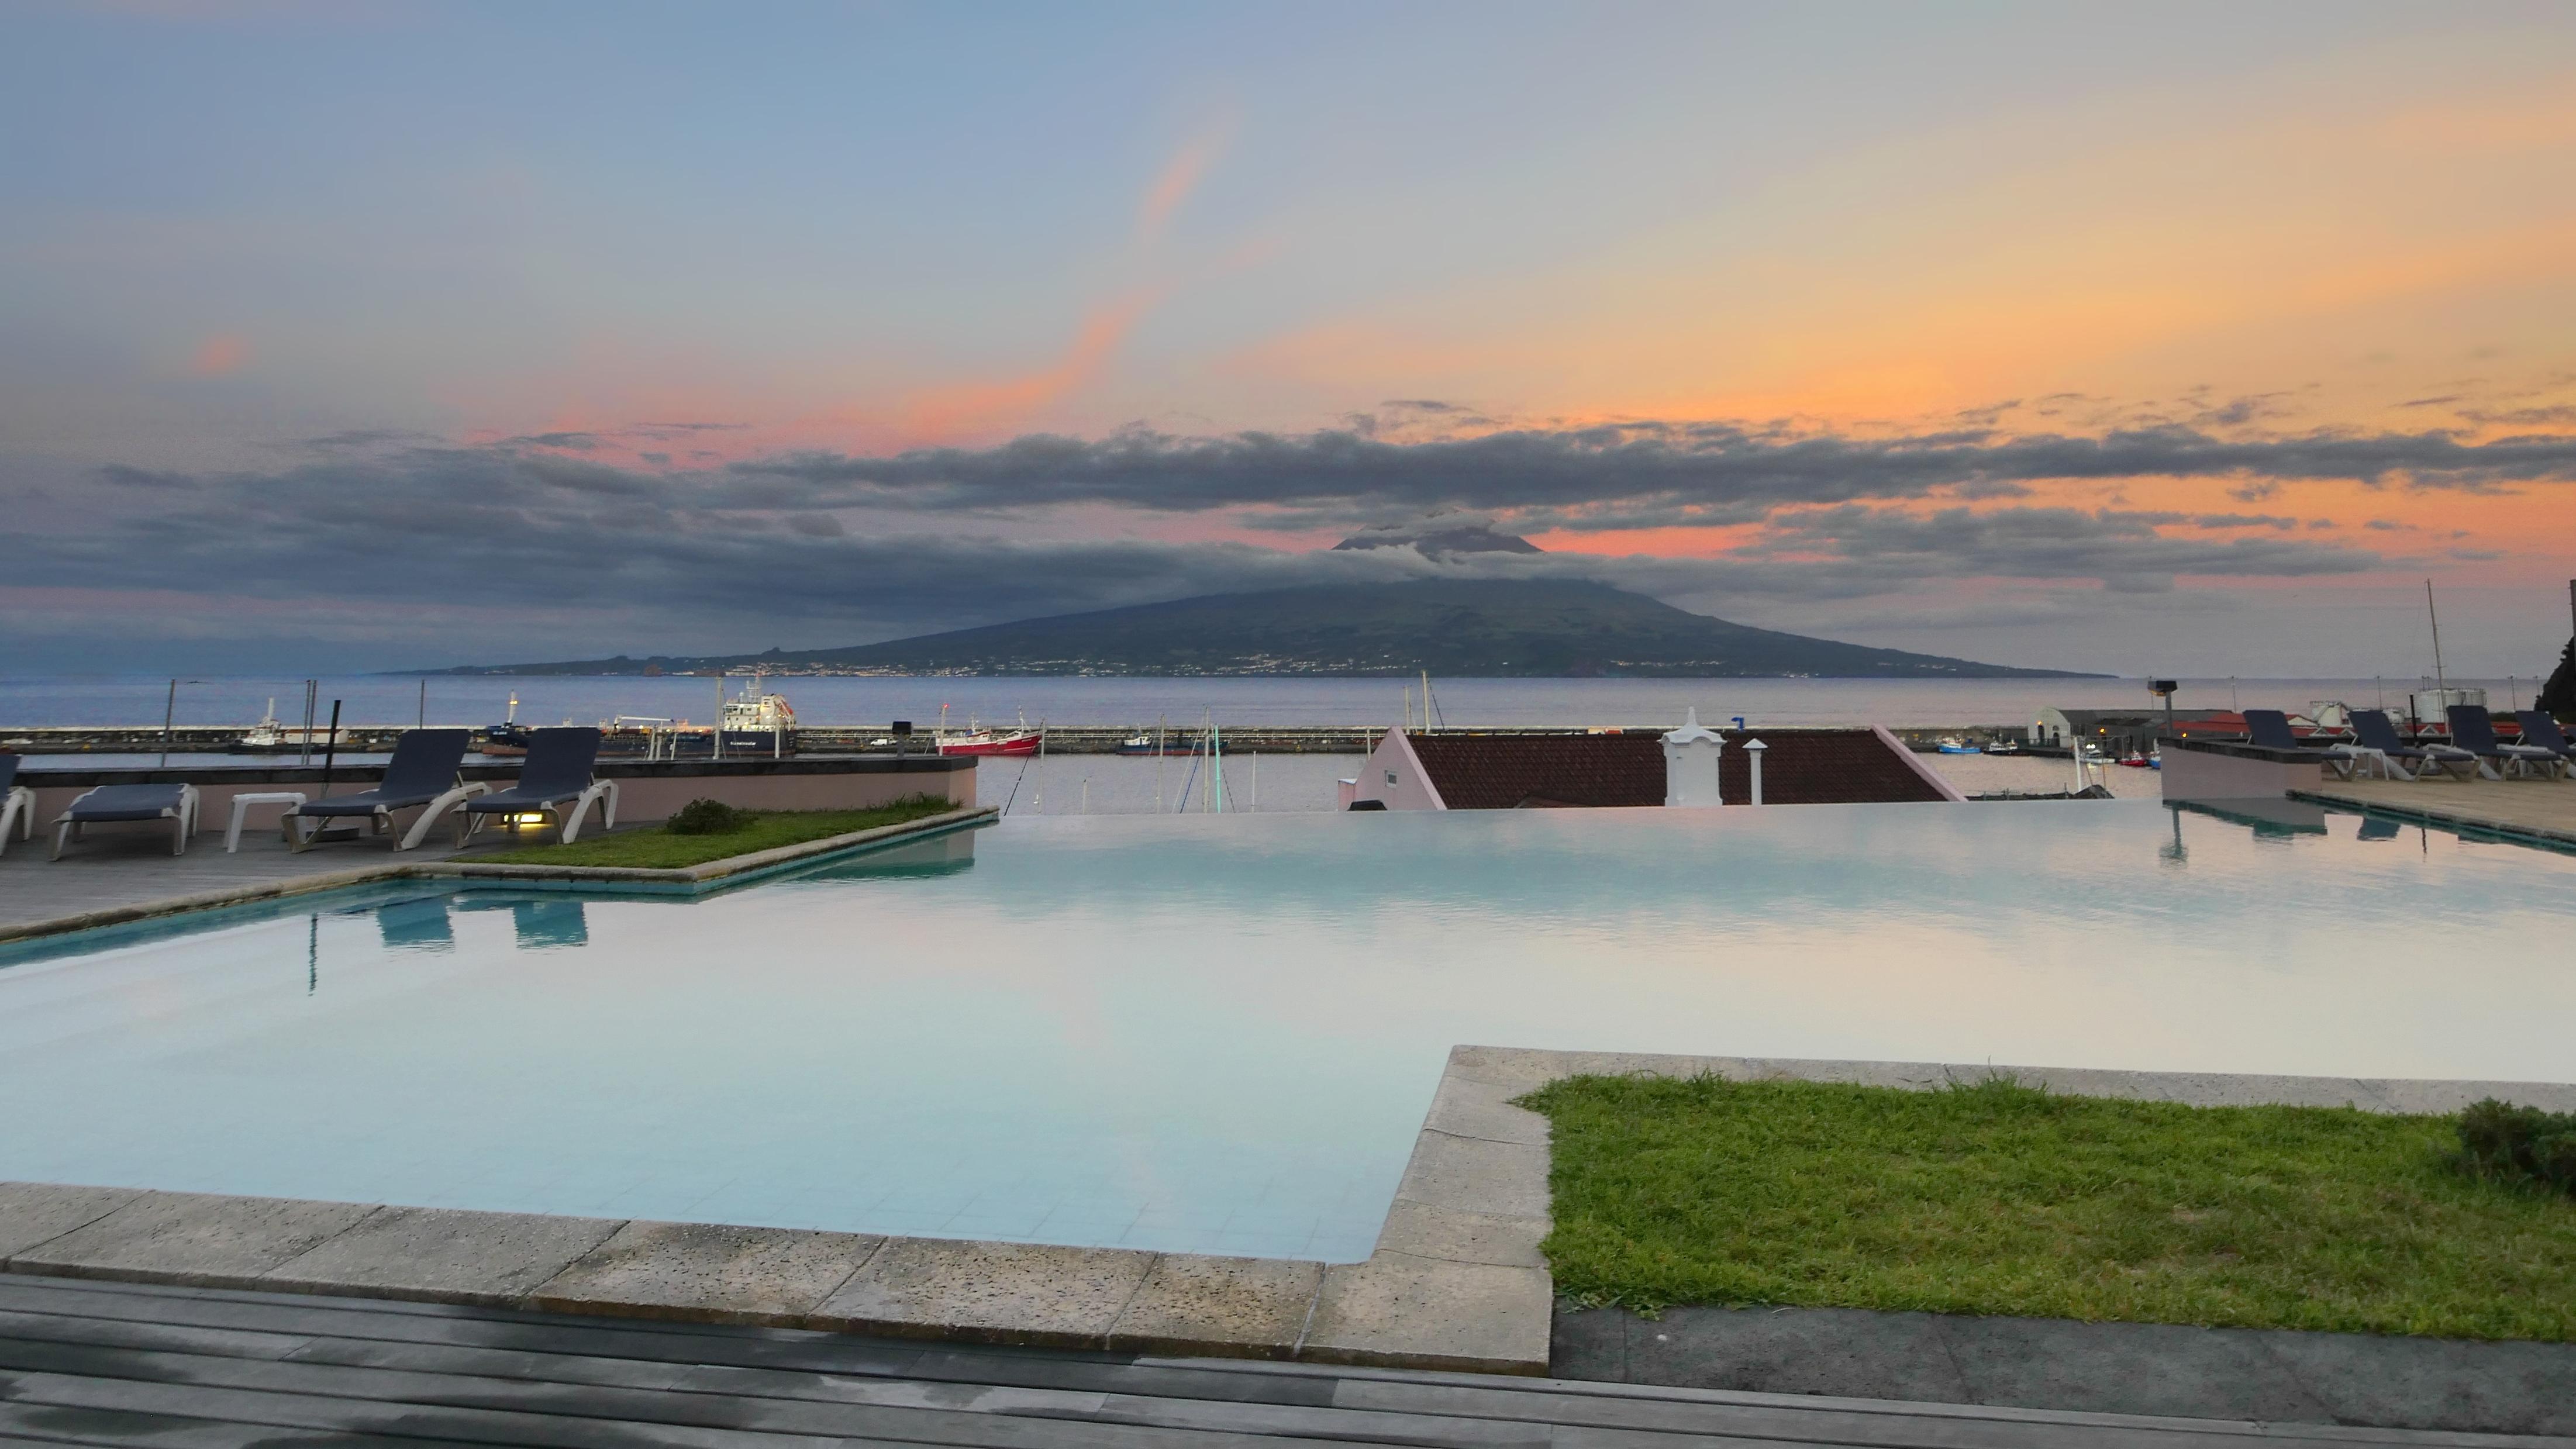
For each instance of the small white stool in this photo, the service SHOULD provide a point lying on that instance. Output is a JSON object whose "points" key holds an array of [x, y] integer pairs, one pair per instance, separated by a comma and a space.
{"points": [[232, 832]]}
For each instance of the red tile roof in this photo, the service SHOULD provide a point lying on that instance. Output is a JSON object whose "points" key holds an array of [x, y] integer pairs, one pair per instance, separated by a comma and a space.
{"points": [[1799, 767]]}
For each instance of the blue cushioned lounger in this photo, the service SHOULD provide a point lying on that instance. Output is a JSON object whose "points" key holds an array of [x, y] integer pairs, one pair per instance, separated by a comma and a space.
{"points": [[422, 773], [555, 782], [2539, 729], [17, 803], [2270, 728], [2473, 729], [2473, 735], [106, 804], [2372, 729]]}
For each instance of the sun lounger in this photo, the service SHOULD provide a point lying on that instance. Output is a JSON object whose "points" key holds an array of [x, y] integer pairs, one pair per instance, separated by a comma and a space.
{"points": [[2270, 729], [108, 804], [2538, 728], [422, 775], [2373, 733], [17, 803], [2473, 730], [555, 782]]}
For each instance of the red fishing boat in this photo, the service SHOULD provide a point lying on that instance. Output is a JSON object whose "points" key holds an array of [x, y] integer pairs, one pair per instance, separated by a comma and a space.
{"points": [[976, 740], [991, 742]]}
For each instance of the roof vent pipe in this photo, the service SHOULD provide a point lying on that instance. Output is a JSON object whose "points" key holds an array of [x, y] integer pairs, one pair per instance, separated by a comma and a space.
{"points": [[1753, 749]]}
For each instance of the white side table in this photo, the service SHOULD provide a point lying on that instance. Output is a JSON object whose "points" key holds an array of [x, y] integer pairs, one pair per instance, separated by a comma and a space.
{"points": [[232, 832]]}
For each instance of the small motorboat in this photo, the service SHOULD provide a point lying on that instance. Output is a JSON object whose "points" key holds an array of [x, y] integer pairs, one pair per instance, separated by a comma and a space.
{"points": [[1169, 744]]}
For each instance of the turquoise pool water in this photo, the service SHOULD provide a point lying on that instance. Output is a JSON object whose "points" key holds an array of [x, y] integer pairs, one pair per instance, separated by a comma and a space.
{"points": [[1219, 1034]]}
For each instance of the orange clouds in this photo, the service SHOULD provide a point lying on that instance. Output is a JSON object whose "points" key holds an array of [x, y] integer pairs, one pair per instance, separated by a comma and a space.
{"points": [[218, 356], [970, 407], [1178, 178]]}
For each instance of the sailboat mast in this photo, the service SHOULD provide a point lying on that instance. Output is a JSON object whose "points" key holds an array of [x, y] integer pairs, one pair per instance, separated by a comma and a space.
{"points": [[2440, 681]]}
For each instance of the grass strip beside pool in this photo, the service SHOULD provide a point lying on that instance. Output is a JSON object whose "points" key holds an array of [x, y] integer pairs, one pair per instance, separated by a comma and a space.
{"points": [[2001, 1199], [766, 830]]}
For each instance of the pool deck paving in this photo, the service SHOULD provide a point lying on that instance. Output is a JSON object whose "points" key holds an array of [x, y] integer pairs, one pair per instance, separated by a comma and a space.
{"points": [[85, 1362], [117, 878], [2533, 809]]}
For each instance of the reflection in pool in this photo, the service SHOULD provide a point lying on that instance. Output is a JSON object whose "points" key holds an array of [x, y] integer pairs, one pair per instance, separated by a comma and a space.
{"points": [[1219, 1033]]}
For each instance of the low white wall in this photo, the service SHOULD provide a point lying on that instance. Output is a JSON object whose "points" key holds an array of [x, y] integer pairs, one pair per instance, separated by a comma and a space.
{"points": [[2205, 775]]}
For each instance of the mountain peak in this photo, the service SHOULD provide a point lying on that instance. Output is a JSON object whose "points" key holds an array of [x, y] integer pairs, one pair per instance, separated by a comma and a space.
{"points": [[1439, 535]]}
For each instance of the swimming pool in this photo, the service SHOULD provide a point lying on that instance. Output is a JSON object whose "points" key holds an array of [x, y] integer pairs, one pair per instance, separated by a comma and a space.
{"points": [[1219, 1034]]}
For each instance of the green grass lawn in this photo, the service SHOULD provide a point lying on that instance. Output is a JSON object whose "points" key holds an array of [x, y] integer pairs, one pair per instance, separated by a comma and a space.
{"points": [[1999, 1199], [767, 830]]}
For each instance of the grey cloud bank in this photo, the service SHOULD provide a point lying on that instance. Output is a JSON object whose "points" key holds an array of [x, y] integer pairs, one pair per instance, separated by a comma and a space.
{"points": [[832, 547]]}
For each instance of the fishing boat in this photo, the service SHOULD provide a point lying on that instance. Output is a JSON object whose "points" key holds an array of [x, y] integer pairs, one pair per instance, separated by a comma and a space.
{"points": [[1953, 745], [991, 742], [977, 740], [272, 737]]}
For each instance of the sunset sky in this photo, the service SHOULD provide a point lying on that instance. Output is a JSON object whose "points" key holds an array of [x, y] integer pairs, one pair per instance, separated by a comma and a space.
{"points": [[2173, 338]]}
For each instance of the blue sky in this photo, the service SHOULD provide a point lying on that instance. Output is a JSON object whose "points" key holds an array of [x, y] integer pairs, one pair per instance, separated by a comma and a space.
{"points": [[349, 262]]}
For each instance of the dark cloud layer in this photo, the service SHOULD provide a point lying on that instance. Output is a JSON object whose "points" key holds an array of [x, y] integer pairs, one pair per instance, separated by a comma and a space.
{"points": [[1622, 476], [867, 547]]}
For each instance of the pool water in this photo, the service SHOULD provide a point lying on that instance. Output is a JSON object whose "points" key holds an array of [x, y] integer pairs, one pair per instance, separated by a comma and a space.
{"points": [[1219, 1034]]}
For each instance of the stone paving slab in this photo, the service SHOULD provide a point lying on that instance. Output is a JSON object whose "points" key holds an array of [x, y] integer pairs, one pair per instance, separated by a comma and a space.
{"points": [[708, 1272], [38, 1212], [1258, 1304], [197, 1239], [990, 1292], [1432, 1313], [443, 1255]]}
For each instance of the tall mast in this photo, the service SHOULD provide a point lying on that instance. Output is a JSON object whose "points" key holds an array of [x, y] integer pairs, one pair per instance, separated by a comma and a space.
{"points": [[2439, 680]]}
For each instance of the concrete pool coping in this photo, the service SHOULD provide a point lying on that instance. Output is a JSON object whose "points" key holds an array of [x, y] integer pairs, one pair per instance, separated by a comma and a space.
{"points": [[1456, 1282], [688, 880]]}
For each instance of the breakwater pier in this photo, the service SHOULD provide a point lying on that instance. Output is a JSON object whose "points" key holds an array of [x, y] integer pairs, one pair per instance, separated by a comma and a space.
{"points": [[867, 738]]}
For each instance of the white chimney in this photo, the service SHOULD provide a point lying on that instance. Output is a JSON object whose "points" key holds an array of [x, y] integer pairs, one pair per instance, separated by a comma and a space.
{"points": [[1690, 764], [1753, 751]]}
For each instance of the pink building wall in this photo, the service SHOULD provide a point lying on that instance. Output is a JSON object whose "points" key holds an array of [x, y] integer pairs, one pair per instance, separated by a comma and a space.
{"points": [[1393, 775]]}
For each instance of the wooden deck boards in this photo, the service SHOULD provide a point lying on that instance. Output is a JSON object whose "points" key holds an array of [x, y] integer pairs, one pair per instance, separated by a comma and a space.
{"points": [[85, 1362]]}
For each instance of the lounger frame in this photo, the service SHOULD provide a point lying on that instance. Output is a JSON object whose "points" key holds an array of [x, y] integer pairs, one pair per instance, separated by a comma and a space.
{"points": [[17, 808], [381, 821], [566, 822], [183, 821]]}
